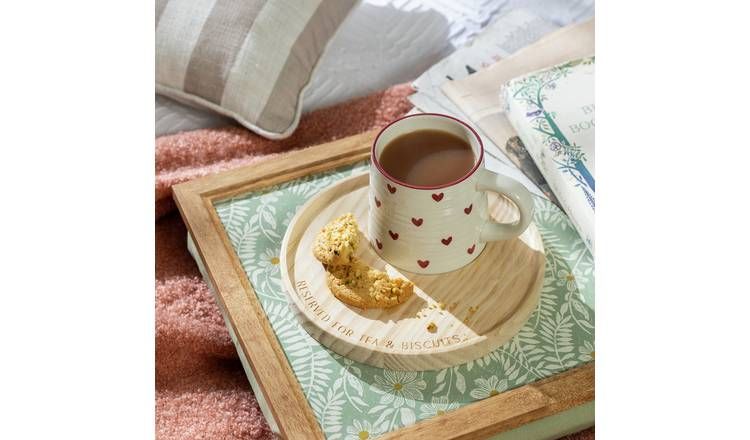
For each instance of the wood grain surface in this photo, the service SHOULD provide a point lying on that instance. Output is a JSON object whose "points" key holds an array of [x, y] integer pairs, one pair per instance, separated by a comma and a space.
{"points": [[475, 309]]}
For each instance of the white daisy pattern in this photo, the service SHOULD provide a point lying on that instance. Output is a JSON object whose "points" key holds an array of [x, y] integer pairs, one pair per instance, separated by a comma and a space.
{"points": [[566, 278], [437, 407], [488, 387], [399, 387], [268, 260], [361, 430]]}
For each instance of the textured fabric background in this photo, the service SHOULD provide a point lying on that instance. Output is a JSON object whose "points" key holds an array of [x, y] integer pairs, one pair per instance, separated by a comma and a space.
{"points": [[201, 389]]}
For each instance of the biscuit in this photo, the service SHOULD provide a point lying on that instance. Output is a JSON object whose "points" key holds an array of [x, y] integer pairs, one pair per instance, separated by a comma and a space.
{"points": [[350, 280], [337, 242], [359, 285]]}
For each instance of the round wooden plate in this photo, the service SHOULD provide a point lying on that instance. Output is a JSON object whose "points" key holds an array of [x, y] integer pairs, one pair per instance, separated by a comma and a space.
{"points": [[475, 309]]}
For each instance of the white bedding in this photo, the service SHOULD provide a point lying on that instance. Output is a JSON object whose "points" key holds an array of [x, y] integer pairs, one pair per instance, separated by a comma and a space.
{"points": [[386, 42]]}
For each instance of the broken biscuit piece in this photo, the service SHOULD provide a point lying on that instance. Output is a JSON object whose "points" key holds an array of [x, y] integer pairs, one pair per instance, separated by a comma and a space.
{"points": [[361, 286], [350, 280], [337, 242]]}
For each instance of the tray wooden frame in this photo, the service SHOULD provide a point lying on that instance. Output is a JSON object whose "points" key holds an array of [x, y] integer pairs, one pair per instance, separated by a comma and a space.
{"points": [[257, 343]]}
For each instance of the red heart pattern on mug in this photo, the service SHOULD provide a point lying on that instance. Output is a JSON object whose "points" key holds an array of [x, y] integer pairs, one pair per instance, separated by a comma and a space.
{"points": [[379, 244], [437, 197], [467, 211], [417, 221], [377, 202], [471, 249], [423, 263], [391, 189], [393, 235], [446, 241]]}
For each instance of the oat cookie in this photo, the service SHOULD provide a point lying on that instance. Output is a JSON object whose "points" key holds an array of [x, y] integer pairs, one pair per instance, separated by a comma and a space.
{"points": [[352, 281], [359, 285], [337, 242]]}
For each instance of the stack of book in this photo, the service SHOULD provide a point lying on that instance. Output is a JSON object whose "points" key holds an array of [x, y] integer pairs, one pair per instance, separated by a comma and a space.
{"points": [[547, 144]]}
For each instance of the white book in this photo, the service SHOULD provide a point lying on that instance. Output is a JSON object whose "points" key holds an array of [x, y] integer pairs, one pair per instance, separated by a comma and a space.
{"points": [[552, 110]]}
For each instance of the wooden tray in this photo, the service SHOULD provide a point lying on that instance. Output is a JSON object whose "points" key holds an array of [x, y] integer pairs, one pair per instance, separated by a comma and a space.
{"points": [[476, 309], [280, 394]]}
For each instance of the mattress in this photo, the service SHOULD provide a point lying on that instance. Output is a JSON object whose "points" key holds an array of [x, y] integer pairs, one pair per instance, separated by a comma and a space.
{"points": [[386, 42]]}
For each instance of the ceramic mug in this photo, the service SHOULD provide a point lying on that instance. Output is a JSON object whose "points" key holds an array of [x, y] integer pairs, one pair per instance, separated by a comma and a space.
{"points": [[437, 229]]}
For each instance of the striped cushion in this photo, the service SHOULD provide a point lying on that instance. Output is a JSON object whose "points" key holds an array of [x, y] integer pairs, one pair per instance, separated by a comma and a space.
{"points": [[248, 59]]}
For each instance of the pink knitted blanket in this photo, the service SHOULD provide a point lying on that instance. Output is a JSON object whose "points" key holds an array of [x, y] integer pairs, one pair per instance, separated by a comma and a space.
{"points": [[201, 389]]}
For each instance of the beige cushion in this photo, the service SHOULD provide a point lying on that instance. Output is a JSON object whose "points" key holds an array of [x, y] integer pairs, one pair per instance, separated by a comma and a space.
{"points": [[248, 59]]}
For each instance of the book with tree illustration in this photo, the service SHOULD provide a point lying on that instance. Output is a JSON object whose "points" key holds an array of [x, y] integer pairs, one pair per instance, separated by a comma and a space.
{"points": [[552, 110]]}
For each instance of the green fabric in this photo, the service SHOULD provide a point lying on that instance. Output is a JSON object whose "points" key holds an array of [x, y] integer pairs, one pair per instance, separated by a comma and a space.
{"points": [[353, 400]]}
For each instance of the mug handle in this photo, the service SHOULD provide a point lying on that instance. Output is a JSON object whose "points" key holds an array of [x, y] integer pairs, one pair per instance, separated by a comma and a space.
{"points": [[517, 193]]}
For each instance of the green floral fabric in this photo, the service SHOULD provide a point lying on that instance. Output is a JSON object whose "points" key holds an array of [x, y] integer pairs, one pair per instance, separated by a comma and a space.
{"points": [[356, 401]]}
